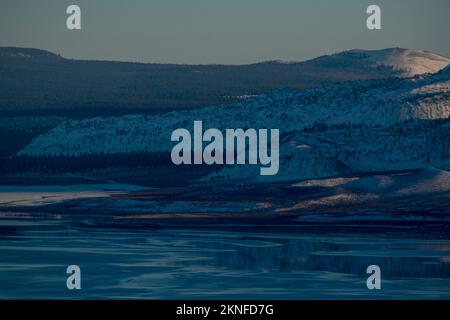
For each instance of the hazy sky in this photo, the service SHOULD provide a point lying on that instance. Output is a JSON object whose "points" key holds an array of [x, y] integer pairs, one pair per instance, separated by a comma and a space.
{"points": [[222, 31]]}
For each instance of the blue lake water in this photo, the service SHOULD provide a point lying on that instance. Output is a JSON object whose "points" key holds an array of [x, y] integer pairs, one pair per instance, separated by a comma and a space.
{"points": [[207, 264]]}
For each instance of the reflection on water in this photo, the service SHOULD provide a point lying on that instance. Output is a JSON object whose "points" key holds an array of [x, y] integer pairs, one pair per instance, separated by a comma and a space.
{"points": [[195, 264]]}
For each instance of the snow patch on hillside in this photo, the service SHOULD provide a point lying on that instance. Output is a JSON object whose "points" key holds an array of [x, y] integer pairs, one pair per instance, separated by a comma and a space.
{"points": [[428, 180], [407, 62]]}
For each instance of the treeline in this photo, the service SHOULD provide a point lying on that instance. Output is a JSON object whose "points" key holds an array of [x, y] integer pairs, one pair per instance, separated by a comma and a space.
{"points": [[87, 162]]}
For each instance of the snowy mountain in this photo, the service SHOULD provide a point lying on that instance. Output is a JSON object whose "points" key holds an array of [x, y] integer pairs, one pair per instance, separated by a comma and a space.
{"points": [[37, 80], [362, 126], [404, 62]]}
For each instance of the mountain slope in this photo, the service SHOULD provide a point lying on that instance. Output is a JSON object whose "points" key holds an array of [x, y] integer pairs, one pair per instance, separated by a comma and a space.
{"points": [[404, 62], [362, 126], [36, 80], [425, 181], [18, 54]]}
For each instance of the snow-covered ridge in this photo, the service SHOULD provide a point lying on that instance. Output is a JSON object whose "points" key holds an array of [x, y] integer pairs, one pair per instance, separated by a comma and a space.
{"points": [[371, 125], [406, 61], [372, 103]]}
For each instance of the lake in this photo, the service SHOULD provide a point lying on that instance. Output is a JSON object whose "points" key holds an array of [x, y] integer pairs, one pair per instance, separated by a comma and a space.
{"points": [[211, 263]]}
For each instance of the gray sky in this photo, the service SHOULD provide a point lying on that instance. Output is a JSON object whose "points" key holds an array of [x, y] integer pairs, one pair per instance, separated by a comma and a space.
{"points": [[222, 31]]}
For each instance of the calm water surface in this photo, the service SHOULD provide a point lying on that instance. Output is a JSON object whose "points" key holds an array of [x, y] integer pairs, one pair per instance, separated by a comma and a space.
{"points": [[196, 264]]}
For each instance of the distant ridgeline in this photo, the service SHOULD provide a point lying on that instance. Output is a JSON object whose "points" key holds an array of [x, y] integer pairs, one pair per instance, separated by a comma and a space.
{"points": [[39, 82]]}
